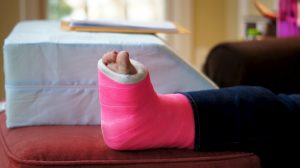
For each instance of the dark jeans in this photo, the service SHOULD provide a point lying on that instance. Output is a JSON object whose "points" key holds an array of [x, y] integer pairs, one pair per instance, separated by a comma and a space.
{"points": [[251, 119]]}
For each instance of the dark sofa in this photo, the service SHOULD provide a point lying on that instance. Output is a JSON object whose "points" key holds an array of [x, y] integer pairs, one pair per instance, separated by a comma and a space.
{"points": [[272, 63]]}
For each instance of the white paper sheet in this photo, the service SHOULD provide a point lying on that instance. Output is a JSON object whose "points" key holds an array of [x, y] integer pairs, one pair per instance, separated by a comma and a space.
{"points": [[159, 26]]}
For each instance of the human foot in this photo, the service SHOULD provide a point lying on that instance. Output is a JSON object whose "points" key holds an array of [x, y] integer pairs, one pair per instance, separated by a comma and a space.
{"points": [[133, 116], [119, 62]]}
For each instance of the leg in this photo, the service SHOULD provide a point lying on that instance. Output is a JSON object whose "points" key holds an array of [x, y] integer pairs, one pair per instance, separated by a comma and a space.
{"points": [[249, 119], [133, 116]]}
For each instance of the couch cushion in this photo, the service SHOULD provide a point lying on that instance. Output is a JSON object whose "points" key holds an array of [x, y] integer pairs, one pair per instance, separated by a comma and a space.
{"points": [[272, 63], [83, 146]]}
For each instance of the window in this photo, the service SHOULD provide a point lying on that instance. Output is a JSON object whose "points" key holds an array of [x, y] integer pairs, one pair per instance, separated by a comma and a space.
{"points": [[178, 11], [137, 10]]}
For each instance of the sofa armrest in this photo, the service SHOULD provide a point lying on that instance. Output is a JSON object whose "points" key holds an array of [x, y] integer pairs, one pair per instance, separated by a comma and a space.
{"points": [[271, 63]]}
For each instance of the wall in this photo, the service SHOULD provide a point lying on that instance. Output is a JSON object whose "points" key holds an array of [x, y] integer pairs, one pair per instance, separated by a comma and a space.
{"points": [[209, 27], [181, 12], [9, 16], [219, 21], [272, 4]]}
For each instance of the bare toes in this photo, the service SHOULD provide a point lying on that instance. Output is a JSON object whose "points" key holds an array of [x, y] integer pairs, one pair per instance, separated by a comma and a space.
{"points": [[124, 64], [109, 57], [123, 59]]}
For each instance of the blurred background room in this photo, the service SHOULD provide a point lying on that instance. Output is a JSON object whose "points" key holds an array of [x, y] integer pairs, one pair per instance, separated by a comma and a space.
{"points": [[210, 21]]}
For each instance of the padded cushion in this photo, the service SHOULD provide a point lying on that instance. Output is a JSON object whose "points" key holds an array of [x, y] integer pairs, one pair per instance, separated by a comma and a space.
{"points": [[45, 65], [83, 146]]}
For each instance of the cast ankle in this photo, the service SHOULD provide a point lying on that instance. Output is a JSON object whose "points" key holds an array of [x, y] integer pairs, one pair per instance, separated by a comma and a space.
{"points": [[125, 78]]}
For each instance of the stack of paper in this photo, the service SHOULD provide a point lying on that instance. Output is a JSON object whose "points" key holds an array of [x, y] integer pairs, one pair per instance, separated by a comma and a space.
{"points": [[122, 26]]}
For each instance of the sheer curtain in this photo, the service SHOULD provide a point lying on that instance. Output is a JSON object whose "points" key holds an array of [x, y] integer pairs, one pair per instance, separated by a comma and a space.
{"points": [[138, 10]]}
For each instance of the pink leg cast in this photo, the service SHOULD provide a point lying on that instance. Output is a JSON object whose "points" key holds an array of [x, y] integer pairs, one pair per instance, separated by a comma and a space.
{"points": [[134, 117]]}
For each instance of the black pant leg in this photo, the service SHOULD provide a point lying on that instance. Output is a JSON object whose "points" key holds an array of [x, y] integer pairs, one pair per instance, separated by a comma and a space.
{"points": [[244, 118]]}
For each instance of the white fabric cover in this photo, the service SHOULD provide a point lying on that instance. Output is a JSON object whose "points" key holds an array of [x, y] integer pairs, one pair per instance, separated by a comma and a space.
{"points": [[51, 75]]}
